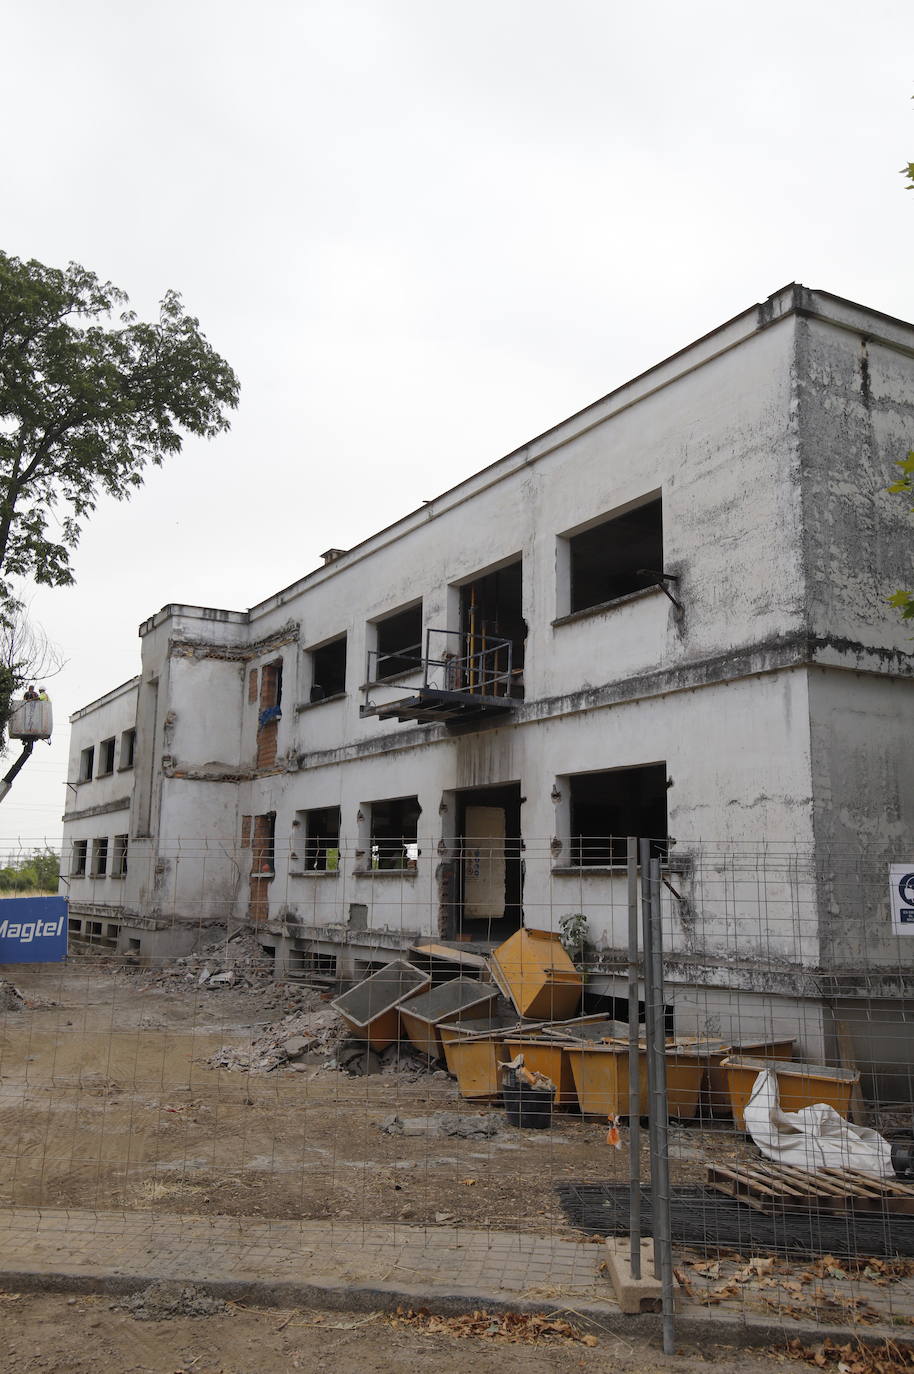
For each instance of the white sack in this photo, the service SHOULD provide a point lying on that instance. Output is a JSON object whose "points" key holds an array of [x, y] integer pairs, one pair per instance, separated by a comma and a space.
{"points": [[814, 1138]]}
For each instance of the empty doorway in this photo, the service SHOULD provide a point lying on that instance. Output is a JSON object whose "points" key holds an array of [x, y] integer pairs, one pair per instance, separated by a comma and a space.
{"points": [[489, 889]]}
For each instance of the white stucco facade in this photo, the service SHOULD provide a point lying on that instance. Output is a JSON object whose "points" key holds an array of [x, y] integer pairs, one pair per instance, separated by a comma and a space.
{"points": [[777, 695]]}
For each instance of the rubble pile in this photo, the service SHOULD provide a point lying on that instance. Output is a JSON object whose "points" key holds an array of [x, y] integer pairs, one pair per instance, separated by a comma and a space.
{"points": [[235, 962], [11, 999], [315, 1031], [450, 1125], [164, 1301]]}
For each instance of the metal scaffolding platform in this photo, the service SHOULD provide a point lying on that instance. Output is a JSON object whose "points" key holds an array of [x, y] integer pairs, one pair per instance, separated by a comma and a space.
{"points": [[430, 705], [464, 678]]}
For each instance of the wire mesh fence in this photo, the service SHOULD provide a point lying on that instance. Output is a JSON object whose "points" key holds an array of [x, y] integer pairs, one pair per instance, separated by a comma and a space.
{"points": [[188, 1058]]}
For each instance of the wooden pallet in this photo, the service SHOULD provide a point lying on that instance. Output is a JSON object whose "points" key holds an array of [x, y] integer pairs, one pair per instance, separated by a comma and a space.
{"points": [[770, 1187]]}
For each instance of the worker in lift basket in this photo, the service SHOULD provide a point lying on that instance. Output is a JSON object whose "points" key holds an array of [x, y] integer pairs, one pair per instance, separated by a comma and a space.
{"points": [[42, 694], [31, 694]]}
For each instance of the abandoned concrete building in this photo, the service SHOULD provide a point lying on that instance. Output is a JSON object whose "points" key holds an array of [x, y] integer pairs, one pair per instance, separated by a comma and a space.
{"points": [[667, 616]]}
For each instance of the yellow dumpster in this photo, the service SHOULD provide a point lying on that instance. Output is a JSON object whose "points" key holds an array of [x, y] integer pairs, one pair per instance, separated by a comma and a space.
{"points": [[474, 1060], [799, 1085], [533, 969], [600, 1076], [601, 1081], [421, 1016], [718, 1091], [548, 1057]]}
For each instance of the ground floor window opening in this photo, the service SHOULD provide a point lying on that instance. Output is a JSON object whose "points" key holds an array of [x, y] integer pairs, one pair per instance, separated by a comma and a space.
{"points": [[609, 806]]}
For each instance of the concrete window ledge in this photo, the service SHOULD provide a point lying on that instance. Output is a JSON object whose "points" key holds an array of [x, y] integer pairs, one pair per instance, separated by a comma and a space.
{"points": [[410, 873], [589, 870], [314, 872], [603, 606], [323, 701]]}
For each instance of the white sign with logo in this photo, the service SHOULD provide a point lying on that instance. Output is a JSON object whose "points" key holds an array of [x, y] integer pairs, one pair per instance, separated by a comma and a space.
{"points": [[901, 895]]}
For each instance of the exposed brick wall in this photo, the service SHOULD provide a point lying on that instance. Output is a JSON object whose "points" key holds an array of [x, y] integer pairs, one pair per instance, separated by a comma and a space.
{"points": [[267, 737], [245, 832], [270, 684], [263, 843], [252, 685], [259, 904]]}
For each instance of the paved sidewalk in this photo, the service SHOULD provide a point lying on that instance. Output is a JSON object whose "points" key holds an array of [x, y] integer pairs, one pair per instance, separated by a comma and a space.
{"points": [[126, 1248], [311, 1263]]}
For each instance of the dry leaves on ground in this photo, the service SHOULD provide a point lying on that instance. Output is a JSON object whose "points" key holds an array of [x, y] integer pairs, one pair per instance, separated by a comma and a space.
{"points": [[883, 1358], [516, 1327]]}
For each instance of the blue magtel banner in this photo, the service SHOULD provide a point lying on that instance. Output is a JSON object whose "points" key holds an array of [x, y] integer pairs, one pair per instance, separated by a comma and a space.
{"points": [[33, 930]]}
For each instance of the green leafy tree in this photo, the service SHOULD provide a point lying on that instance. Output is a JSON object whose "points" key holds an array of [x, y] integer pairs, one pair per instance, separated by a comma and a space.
{"points": [[39, 872], [904, 600], [86, 402], [89, 396]]}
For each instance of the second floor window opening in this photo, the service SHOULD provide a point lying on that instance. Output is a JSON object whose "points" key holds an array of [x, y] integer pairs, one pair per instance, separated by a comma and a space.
{"points": [[621, 555], [398, 644], [328, 669]]}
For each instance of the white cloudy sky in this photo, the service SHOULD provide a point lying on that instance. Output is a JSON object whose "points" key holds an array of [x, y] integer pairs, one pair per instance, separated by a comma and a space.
{"points": [[421, 233]]}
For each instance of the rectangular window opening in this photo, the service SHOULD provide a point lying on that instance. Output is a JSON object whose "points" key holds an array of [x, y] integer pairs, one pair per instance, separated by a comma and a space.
{"points": [[608, 807], [394, 832], [100, 857], [128, 749], [80, 860], [328, 669], [621, 555], [398, 644], [106, 757], [87, 764], [319, 830], [119, 857]]}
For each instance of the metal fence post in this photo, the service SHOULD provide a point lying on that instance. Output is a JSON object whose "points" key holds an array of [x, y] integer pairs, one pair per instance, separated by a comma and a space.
{"points": [[634, 1076], [648, 966], [659, 1109]]}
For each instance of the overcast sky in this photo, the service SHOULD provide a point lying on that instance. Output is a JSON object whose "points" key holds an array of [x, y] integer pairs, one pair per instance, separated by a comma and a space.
{"points": [[421, 233]]}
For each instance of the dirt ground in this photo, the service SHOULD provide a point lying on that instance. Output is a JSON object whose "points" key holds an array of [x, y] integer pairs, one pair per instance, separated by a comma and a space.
{"points": [[107, 1100], [54, 1334]]}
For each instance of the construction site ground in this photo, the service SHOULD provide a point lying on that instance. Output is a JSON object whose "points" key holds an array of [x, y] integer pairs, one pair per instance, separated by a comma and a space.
{"points": [[107, 1099], [50, 1333], [128, 1159]]}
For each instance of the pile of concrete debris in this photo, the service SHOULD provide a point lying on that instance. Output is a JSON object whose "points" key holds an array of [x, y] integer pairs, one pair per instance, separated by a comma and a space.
{"points": [[316, 1038], [305, 1039], [11, 999], [233, 962]]}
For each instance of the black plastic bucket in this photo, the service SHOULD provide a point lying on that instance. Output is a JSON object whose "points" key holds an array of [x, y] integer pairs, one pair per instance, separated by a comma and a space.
{"points": [[529, 1108]]}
